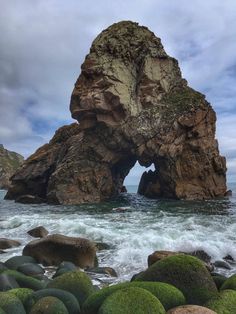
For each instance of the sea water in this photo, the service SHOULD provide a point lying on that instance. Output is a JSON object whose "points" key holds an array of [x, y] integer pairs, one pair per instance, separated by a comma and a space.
{"points": [[145, 225]]}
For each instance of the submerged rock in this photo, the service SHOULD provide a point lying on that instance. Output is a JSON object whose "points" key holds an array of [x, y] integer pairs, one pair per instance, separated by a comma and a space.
{"points": [[132, 104], [56, 248], [9, 162]]}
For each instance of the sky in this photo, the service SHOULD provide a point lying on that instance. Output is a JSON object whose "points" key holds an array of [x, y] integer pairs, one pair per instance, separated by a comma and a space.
{"points": [[44, 42]]}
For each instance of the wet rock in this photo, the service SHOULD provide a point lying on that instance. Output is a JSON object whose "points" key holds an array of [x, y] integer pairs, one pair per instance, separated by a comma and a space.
{"points": [[8, 243], [2, 267], [222, 264], [2, 252], [64, 267], [228, 193], [38, 232], [229, 258], [102, 246], [7, 282], [159, 255], [9, 303], [102, 270], [57, 248], [30, 269], [202, 255], [16, 261], [29, 199], [132, 104], [191, 309]]}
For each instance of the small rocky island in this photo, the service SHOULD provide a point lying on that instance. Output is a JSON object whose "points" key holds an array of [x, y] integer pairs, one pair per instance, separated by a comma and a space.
{"points": [[132, 104], [9, 162]]}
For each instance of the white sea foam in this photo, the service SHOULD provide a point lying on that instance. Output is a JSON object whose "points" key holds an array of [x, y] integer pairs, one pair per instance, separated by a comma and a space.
{"points": [[146, 226]]}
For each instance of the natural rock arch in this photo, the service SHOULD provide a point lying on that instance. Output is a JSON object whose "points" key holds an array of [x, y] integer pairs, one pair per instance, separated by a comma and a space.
{"points": [[131, 104]]}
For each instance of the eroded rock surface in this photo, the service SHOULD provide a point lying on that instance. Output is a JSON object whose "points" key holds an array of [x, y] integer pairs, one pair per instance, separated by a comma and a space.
{"points": [[9, 162], [132, 104]]}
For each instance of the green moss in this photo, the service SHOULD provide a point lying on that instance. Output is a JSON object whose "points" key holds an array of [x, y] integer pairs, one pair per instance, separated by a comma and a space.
{"points": [[131, 300], [168, 295], [224, 303], [21, 293], [2, 311], [11, 304], [49, 305], [25, 281], [66, 297], [219, 280], [230, 283], [185, 272], [76, 282]]}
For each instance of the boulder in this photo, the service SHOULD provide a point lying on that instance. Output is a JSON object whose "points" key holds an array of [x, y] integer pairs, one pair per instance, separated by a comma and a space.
{"points": [[38, 232], [7, 282], [49, 305], [22, 294], [185, 272], [56, 248], [229, 283], [224, 302], [222, 264], [168, 295], [8, 243], [132, 104], [190, 309], [10, 304], [102, 270], [159, 255], [219, 280], [25, 281], [16, 261], [75, 282], [30, 269], [131, 300]]}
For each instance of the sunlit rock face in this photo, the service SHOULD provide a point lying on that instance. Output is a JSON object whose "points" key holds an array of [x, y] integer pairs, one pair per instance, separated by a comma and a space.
{"points": [[131, 104]]}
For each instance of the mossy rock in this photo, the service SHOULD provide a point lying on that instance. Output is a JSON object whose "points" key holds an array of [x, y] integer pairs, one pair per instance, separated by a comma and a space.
{"points": [[219, 280], [229, 283], [131, 300], [25, 281], [16, 261], [2, 312], [224, 303], [168, 295], [3, 267], [49, 305], [66, 297], [22, 294], [11, 304], [76, 282], [185, 272]]}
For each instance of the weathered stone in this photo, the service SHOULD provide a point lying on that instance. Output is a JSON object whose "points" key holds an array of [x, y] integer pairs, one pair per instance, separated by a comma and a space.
{"points": [[56, 248], [9, 162], [38, 232], [29, 199], [132, 105], [159, 255], [190, 309], [8, 243]]}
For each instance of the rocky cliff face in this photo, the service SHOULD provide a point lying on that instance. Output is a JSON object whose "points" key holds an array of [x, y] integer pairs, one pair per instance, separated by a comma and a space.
{"points": [[9, 162], [131, 104]]}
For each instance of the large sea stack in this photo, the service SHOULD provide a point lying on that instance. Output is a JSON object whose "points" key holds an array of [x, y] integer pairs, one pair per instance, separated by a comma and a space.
{"points": [[132, 104], [9, 162]]}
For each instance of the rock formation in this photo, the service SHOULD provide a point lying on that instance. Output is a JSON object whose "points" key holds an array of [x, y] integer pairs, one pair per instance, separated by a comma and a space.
{"points": [[132, 105], [9, 162]]}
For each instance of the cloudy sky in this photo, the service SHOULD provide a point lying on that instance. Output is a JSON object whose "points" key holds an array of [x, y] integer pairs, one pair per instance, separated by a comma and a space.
{"points": [[44, 42]]}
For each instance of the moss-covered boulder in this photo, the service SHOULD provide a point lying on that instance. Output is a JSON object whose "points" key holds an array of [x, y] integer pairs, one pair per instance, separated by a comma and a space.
{"points": [[30, 269], [185, 272], [224, 303], [25, 281], [15, 261], [168, 295], [22, 294], [7, 282], [2, 311], [66, 297], [11, 304], [76, 282], [131, 300], [230, 283], [219, 280], [49, 305]]}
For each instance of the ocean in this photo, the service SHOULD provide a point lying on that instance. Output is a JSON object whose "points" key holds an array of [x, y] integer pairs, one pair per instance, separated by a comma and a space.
{"points": [[146, 225]]}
